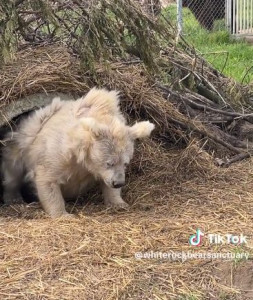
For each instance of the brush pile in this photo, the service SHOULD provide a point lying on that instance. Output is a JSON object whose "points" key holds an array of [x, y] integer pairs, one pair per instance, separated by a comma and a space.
{"points": [[73, 45]]}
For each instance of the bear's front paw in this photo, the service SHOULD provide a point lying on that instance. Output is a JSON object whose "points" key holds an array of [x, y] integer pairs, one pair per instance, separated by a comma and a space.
{"points": [[118, 205], [62, 215], [68, 216]]}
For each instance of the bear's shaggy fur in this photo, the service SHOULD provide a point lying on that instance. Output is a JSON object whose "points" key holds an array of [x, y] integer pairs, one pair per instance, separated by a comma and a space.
{"points": [[66, 146]]}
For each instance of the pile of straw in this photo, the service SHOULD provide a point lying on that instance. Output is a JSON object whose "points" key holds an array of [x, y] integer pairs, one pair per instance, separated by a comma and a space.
{"points": [[93, 255], [179, 116]]}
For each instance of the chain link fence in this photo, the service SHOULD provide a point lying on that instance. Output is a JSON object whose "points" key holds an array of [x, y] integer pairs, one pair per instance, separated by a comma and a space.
{"points": [[192, 16], [206, 12]]}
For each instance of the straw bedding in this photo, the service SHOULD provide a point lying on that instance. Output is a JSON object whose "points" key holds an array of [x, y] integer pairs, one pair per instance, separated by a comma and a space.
{"points": [[92, 256], [173, 188]]}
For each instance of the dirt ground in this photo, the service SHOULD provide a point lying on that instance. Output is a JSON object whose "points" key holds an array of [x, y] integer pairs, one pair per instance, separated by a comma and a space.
{"points": [[92, 256]]}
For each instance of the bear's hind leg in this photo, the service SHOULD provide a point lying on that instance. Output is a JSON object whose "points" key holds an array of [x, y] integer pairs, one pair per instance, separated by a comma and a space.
{"points": [[12, 179]]}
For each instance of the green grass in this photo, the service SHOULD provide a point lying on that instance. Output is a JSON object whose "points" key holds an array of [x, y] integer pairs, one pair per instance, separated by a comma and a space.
{"points": [[232, 57]]}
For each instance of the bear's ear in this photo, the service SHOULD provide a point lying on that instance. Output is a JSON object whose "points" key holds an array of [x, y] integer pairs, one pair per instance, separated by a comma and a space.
{"points": [[92, 126], [141, 130]]}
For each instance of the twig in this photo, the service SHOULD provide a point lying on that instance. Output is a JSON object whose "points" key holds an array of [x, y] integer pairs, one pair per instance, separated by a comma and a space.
{"points": [[212, 87], [18, 2], [247, 72], [226, 61], [185, 77], [74, 35], [201, 78]]}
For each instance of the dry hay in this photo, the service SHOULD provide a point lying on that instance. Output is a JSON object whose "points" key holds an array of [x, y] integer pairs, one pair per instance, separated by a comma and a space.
{"points": [[32, 71], [53, 69], [92, 256], [172, 190]]}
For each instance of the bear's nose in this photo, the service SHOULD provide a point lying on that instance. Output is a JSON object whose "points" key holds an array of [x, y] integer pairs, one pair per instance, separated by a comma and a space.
{"points": [[118, 184]]}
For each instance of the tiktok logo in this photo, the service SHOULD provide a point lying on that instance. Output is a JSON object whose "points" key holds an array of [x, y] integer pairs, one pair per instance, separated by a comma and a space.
{"points": [[196, 239]]}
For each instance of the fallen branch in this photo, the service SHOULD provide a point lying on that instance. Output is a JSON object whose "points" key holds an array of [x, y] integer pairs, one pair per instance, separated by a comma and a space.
{"points": [[227, 162], [208, 134], [214, 133], [203, 107]]}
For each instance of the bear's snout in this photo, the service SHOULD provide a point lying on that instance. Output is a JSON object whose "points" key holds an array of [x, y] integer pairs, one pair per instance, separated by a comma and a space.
{"points": [[118, 184]]}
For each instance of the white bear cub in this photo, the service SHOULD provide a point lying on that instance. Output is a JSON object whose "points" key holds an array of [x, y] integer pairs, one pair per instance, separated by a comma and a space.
{"points": [[66, 146]]}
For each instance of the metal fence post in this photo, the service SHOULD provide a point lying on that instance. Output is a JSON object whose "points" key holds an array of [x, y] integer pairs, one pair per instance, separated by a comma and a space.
{"points": [[179, 18], [228, 15]]}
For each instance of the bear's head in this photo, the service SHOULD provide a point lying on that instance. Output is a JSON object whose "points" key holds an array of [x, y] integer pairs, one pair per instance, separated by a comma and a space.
{"points": [[105, 149]]}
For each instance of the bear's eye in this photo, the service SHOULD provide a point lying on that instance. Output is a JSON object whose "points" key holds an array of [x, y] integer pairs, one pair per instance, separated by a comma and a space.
{"points": [[109, 164]]}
